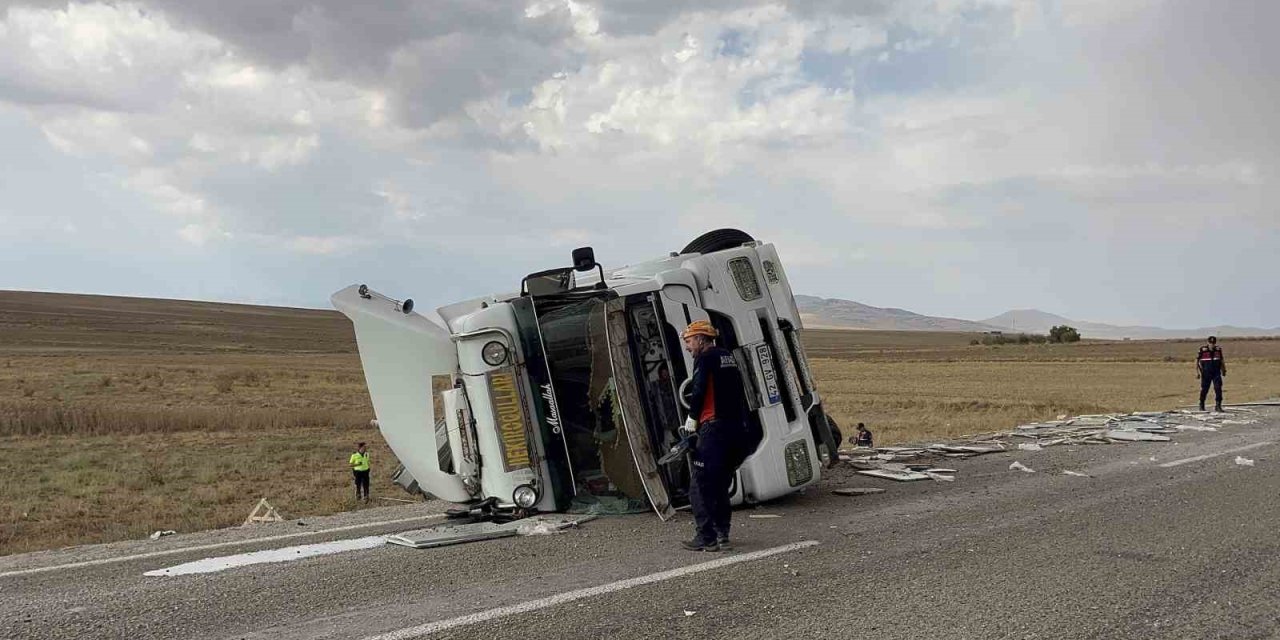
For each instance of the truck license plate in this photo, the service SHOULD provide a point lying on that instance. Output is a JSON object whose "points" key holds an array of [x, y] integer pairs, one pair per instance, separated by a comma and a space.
{"points": [[770, 373]]}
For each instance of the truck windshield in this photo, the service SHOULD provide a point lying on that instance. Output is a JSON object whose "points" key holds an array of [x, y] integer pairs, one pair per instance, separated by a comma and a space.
{"points": [[575, 341]]}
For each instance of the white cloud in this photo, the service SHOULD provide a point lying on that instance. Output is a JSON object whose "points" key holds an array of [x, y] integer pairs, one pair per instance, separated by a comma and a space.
{"points": [[936, 137], [322, 245]]}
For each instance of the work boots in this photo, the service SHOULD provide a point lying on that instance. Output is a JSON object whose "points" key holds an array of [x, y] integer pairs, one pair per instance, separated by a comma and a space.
{"points": [[1218, 407], [698, 545]]}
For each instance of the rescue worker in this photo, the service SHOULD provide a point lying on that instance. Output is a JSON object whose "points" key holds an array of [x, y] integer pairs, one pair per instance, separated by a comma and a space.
{"points": [[1211, 368], [863, 437], [360, 469], [725, 437]]}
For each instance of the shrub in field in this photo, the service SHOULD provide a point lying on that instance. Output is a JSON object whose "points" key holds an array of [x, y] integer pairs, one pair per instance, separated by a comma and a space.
{"points": [[224, 381], [1063, 333]]}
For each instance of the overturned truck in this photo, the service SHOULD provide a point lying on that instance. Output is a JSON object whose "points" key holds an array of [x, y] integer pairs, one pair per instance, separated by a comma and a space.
{"points": [[565, 396]]}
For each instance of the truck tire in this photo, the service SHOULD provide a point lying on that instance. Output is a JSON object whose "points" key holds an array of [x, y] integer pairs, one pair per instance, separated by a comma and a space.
{"points": [[718, 240]]}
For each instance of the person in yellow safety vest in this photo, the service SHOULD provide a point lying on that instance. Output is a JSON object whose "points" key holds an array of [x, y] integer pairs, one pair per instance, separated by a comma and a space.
{"points": [[360, 468]]}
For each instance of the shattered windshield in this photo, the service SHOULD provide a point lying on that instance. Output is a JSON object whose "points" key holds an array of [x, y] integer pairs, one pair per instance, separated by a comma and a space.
{"points": [[575, 340]]}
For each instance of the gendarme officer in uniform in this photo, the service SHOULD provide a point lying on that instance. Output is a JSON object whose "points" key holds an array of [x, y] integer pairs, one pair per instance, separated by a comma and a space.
{"points": [[1211, 368], [718, 416]]}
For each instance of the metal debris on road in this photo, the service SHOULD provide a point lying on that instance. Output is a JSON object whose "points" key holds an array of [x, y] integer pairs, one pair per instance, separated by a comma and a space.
{"points": [[156, 535], [1018, 466], [899, 475], [1243, 461], [449, 534], [764, 516], [1076, 474], [1135, 436], [1140, 426], [857, 491]]}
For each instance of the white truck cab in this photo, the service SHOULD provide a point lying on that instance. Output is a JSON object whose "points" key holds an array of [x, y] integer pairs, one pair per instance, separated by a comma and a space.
{"points": [[563, 397]]}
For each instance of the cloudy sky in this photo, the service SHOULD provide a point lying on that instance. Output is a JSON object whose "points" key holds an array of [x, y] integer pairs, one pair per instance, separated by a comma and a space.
{"points": [[1110, 160]]}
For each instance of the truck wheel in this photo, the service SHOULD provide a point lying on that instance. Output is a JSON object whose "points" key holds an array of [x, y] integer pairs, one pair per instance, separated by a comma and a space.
{"points": [[718, 240]]}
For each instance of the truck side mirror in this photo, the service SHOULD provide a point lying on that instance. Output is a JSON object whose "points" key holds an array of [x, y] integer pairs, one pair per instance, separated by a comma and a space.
{"points": [[584, 259]]}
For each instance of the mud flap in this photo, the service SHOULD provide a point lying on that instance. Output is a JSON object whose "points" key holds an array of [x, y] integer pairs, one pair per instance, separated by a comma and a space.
{"points": [[818, 420]]}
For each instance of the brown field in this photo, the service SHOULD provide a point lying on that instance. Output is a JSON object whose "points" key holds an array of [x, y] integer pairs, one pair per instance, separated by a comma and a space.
{"points": [[121, 416]]}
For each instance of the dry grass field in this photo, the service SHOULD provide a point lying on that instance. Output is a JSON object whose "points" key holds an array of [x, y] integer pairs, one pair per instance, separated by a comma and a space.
{"points": [[913, 386], [122, 416]]}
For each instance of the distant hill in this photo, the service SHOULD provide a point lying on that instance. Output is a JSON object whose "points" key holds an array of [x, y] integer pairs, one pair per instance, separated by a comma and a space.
{"points": [[847, 314], [33, 321], [1036, 321]]}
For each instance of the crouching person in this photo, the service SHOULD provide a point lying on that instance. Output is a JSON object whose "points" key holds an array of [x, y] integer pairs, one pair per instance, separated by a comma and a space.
{"points": [[718, 415]]}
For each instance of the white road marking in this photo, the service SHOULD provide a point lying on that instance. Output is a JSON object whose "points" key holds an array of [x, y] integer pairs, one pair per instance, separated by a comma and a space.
{"points": [[1214, 455], [283, 554], [570, 596], [205, 547]]}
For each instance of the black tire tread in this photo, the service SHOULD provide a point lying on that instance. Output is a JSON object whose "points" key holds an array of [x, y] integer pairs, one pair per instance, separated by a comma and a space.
{"points": [[718, 240]]}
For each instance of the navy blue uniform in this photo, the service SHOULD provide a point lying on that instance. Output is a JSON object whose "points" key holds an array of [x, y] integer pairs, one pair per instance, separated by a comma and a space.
{"points": [[1210, 363], [863, 439], [725, 438]]}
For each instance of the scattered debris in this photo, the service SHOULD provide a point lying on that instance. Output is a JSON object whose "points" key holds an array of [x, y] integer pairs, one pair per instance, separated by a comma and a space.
{"points": [[857, 491], [1076, 474], [764, 516], [902, 463], [156, 535], [532, 527], [1135, 436], [448, 534], [899, 475], [1243, 461], [688, 613]]}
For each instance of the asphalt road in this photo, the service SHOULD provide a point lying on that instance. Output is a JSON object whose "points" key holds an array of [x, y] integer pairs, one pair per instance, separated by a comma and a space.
{"points": [[1137, 550]]}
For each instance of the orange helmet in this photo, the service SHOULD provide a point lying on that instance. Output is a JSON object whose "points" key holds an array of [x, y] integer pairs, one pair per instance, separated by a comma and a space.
{"points": [[700, 328]]}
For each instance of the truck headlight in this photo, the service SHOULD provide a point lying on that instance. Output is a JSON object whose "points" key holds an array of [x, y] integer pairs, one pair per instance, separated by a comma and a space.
{"points": [[494, 353], [524, 496]]}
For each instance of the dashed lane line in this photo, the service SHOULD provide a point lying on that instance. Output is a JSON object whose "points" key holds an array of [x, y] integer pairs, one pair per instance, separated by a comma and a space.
{"points": [[205, 547], [570, 596], [1207, 456]]}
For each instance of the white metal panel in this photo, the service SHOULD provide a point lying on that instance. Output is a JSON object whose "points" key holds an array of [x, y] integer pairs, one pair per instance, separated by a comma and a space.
{"points": [[462, 443], [400, 353]]}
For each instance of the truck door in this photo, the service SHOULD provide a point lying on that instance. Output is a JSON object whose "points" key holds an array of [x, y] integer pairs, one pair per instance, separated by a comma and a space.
{"points": [[630, 400]]}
